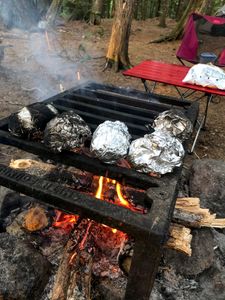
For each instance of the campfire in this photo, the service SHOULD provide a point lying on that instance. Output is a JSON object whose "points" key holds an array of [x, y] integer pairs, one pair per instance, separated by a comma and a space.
{"points": [[107, 214]]}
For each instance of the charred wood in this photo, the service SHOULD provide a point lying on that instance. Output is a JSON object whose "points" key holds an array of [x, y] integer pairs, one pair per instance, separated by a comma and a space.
{"points": [[73, 279], [66, 175]]}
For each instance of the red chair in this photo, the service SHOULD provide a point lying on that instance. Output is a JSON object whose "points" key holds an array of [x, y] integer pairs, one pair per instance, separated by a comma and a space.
{"points": [[203, 35]]}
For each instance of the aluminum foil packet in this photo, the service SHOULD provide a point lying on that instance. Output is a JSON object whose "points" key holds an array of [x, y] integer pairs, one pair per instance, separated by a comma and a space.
{"points": [[175, 123], [110, 141], [66, 132], [157, 152], [30, 121]]}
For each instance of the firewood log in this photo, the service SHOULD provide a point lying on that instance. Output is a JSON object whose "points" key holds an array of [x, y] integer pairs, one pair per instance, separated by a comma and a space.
{"points": [[73, 278]]}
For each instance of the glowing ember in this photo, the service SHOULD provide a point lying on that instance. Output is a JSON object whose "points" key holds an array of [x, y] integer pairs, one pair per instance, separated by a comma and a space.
{"points": [[64, 221]]}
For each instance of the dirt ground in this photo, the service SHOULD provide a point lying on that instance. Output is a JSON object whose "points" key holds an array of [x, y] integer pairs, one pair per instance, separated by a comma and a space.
{"points": [[39, 65]]}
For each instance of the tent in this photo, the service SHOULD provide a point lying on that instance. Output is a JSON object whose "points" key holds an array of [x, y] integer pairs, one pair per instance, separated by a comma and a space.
{"points": [[203, 34]]}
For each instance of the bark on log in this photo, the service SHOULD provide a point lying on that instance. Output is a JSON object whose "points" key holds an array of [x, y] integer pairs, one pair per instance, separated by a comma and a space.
{"points": [[197, 216], [73, 279], [62, 174]]}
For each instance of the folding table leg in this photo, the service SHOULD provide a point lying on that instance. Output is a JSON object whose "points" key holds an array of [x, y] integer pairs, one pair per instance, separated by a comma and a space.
{"points": [[209, 99], [202, 122], [201, 125], [147, 88]]}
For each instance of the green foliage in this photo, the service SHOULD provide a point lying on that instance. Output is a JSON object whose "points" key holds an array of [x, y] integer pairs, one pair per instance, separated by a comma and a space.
{"points": [[76, 9], [80, 9], [217, 4]]}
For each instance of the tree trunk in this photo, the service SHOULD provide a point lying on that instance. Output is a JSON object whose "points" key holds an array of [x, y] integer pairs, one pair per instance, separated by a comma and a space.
{"points": [[53, 12], [118, 46], [193, 5], [180, 9], [163, 13], [96, 12], [205, 7]]}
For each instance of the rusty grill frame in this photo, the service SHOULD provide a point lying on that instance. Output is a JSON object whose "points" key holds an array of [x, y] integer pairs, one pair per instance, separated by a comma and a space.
{"points": [[149, 230]]}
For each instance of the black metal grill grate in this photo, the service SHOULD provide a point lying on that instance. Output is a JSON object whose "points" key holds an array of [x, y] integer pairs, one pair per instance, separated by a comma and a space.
{"points": [[96, 103]]}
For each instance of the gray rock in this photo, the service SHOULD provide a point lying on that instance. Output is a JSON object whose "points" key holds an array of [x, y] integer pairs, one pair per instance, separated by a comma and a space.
{"points": [[202, 254], [24, 272], [3, 192], [212, 283], [207, 181]]}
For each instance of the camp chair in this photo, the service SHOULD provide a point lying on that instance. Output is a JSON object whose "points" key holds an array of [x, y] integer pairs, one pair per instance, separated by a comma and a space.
{"points": [[203, 34]]}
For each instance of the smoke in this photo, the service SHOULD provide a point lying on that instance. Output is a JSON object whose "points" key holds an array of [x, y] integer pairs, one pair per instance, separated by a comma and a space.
{"points": [[50, 60]]}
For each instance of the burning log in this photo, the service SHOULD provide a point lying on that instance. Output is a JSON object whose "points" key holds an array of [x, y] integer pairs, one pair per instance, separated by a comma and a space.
{"points": [[73, 278], [65, 175]]}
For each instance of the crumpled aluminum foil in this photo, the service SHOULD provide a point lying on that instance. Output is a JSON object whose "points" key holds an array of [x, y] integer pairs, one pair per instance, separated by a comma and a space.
{"points": [[66, 131], [110, 141], [30, 121], [157, 152], [174, 122]]}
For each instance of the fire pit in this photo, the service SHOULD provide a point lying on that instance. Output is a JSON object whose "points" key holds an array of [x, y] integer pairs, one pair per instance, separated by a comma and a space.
{"points": [[96, 103]]}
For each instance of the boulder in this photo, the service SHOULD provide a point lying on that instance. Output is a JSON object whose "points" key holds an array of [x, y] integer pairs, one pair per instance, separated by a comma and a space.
{"points": [[202, 256], [24, 272], [207, 181]]}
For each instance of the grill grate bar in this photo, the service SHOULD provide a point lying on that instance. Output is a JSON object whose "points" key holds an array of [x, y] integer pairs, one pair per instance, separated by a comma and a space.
{"points": [[99, 110], [114, 102], [123, 175], [91, 117], [71, 201]]}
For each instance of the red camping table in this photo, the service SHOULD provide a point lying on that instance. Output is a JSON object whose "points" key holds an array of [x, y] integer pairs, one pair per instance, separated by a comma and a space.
{"points": [[173, 74]]}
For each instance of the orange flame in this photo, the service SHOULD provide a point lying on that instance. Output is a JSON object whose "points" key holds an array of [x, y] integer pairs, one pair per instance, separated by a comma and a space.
{"points": [[64, 220], [120, 196], [100, 187], [98, 194]]}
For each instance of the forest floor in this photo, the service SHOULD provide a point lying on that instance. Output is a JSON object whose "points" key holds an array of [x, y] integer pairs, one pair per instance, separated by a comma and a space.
{"points": [[39, 64]]}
